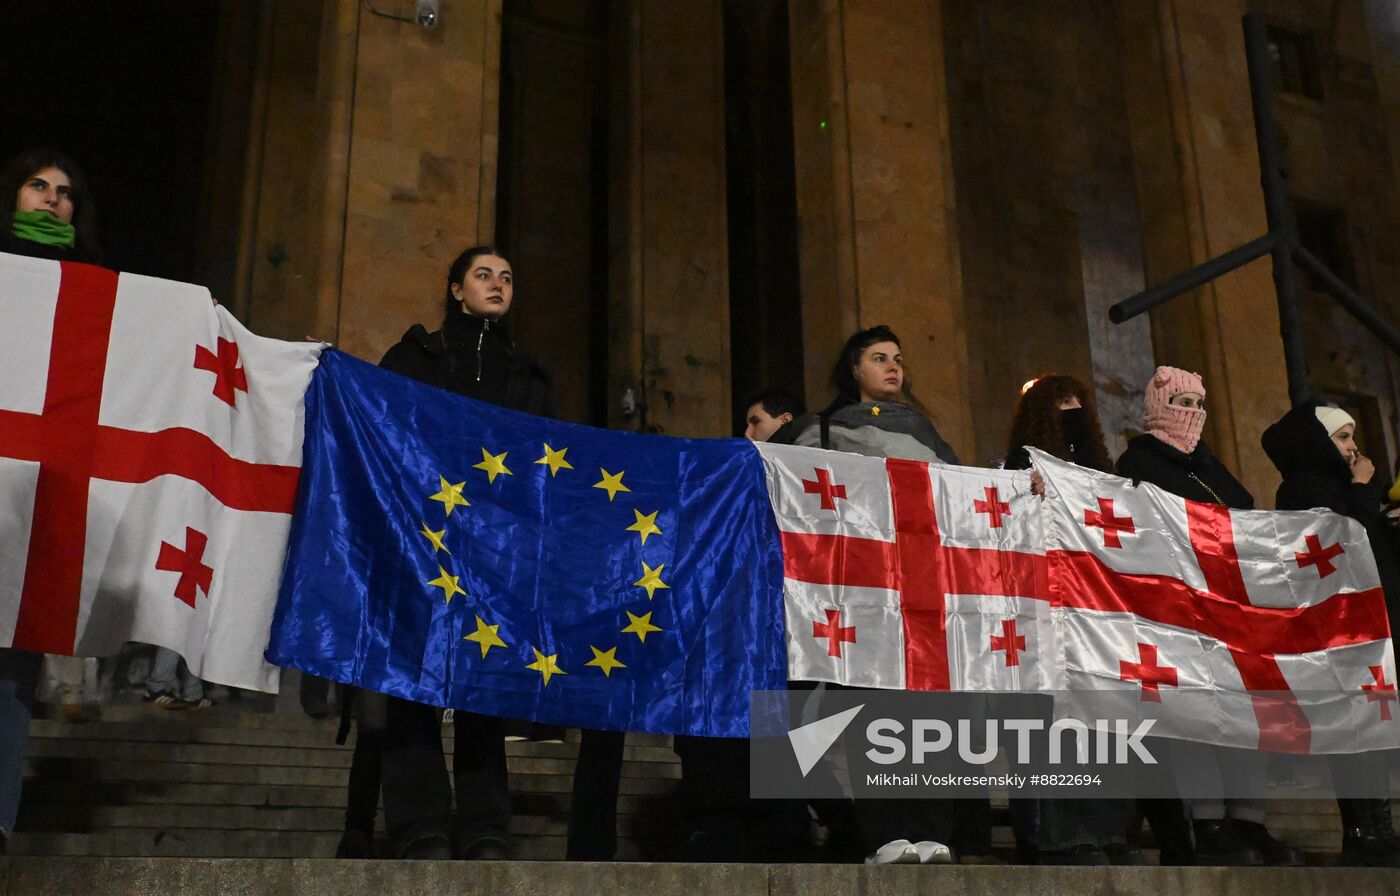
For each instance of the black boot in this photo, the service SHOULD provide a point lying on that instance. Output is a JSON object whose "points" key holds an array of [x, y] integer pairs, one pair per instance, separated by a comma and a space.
{"points": [[1274, 851], [1218, 844], [355, 844], [1369, 839]]}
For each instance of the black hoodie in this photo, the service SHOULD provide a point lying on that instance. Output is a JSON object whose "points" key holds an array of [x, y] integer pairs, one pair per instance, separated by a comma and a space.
{"points": [[1316, 475]]}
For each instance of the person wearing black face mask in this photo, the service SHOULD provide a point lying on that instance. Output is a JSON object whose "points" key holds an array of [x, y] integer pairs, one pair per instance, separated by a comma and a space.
{"points": [[1057, 415]]}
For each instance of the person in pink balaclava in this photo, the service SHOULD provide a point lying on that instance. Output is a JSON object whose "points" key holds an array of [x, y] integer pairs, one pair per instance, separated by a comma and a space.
{"points": [[1171, 456]]}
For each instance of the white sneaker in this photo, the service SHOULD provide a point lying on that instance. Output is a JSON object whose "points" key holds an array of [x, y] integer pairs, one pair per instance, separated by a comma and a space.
{"points": [[896, 852], [931, 852]]}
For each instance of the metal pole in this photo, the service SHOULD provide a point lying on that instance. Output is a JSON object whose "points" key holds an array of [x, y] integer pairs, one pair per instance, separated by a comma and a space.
{"points": [[1198, 276], [1348, 299], [1276, 208]]}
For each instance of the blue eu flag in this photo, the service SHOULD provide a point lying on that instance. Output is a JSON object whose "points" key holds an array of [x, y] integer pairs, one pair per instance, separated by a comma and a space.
{"points": [[461, 554]]}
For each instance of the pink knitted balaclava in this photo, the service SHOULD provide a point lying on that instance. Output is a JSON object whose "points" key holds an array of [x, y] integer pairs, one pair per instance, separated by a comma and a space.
{"points": [[1177, 426]]}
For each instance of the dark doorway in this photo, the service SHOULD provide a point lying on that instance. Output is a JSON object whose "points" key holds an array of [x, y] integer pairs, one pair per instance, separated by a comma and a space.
{"points": [[128, 90], [765, 304], [552, 193]]}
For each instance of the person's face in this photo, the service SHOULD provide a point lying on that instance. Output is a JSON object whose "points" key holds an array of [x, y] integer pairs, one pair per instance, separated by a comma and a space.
{"points": [[1070, 402], [47, 190], [1345, 440], [880, 372], [1193, 400], [761, 424], [487, 288]]}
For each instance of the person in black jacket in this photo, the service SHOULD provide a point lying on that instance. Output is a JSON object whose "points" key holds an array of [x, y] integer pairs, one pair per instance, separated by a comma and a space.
{"points": [[1314, 447], [1172, 456], [472, 355], [1058, 415]]}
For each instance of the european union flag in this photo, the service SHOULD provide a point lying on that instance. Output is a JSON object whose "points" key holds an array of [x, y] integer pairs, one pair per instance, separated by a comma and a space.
{"points": [[460, 554]]}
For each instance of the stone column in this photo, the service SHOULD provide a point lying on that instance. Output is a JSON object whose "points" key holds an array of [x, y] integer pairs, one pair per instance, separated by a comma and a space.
{"points": [[374, 163], [876, 205], [1197, 169], [669, 318]]}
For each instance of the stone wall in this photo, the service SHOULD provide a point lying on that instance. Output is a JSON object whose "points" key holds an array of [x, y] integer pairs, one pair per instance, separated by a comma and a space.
{"points": [[375, 165]]}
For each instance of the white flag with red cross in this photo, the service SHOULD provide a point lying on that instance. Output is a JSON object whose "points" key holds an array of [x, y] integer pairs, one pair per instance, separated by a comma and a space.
{"points": [[904, 574], [150, 448], [1244, 628]]}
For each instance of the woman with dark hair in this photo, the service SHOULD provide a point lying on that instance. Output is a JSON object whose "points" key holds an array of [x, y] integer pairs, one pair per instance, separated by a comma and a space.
{"points": [[1314, 448], [1058, 415], [875, 412], [471, 354], [1172, 456], [53, 214], [51, 218]]}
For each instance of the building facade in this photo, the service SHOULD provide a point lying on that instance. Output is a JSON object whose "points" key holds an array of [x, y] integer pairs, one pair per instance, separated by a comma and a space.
{"points": [[701, 197]]}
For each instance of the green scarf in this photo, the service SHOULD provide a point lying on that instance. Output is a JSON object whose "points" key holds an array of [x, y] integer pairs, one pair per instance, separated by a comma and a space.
{"points": [[43, 228]]}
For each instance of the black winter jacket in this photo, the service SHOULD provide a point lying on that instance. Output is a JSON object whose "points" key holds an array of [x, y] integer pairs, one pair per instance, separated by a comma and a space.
{"points": [[1316, 475], [1197, 476], [474, 357]]}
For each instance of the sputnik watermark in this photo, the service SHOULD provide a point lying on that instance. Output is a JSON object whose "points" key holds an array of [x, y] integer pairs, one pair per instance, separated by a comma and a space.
{"points": [[1109, 738]]}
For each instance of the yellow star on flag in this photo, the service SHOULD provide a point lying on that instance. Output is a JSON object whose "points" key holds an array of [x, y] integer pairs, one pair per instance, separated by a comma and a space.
{"points": [[546, 665], [651, 579], [486, 636], [606, 660], [611, 484], [554, 460], [641, 625], [645, 524], [451, 495], [448, 584], [434, 537], [493, 464]]}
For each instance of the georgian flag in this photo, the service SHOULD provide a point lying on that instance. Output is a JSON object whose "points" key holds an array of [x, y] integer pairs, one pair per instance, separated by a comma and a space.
{"points": [[1244, 628], [904, 574], [1239, 628], [150, 448]]}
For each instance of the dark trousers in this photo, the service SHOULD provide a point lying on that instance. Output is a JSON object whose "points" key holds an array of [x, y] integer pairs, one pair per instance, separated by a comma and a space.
{"points": [[722, 822], [366, 765], [593, 809], [417, 794], [314, 692]]}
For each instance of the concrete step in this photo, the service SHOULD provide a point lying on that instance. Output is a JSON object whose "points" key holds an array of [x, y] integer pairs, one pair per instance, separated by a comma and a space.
{"points": [[142, 791], [69, 817], [235, 715], [540, 816], [28, 876], [202, 768], [176, 743], [171, 846]]}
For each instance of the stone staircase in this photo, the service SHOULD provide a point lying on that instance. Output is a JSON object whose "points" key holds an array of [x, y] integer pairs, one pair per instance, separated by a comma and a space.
{"points": [[255, 778], [267, 782]]}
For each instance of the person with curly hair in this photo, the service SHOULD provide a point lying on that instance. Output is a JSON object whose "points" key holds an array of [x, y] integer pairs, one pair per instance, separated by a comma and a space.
{"points": [[1059, 416]]}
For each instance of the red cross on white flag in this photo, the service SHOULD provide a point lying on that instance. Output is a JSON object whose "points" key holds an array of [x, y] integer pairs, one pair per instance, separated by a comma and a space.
{"points": [[149, 455], [1218, 612], [912, 567]]}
